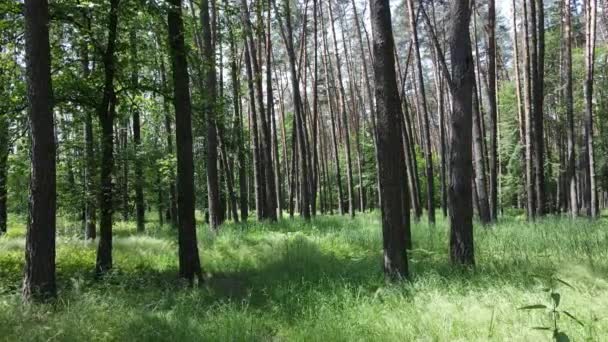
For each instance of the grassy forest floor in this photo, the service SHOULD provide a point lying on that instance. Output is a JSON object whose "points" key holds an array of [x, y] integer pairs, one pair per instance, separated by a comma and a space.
{"points": [[320, 281]]}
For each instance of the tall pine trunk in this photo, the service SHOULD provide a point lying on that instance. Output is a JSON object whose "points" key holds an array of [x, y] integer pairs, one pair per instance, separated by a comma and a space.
{"points": [[461, 85], [394, 206], [106, 112], [189, 262], [39, 280]]}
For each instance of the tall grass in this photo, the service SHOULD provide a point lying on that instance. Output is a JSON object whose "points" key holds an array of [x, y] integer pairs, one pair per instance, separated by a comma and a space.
{"points": [[318, 281]]}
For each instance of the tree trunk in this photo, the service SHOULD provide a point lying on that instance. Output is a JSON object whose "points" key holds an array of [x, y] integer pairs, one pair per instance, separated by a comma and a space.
{"points": [[343, 109], [528, 116], [395, 207], [480, 174], [425, 116], [140, 209], [210, 108], [169, 131], [492, 81], [39, 280], [571, 149], [590, 14], [538, 35], [106, 112], [459, 195], [189, 262], [299, 116], [327, 67]]}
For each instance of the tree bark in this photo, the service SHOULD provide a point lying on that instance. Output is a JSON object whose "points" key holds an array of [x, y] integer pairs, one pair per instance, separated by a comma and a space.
{"points": [[395, 207], [590, 20], [106, 113], [210, 108], [492, 81], [39, 280], [189, 262], [528, 116], [460, 195], [538, 22], [571, 147]]}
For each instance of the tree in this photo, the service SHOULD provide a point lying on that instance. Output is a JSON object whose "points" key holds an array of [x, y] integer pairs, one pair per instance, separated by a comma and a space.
{"points": [[590, 21], [395, 205], [343, 109], [571, 157], [492, 81], [287, 33], [140, 209], [39, 281], [189, 262], [461, 85], [106, 111], [210, 103], [425, 115]]}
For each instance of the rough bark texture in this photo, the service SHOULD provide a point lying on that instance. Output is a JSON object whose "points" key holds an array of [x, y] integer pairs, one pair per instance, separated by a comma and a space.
{"points": [[189, 262], [460, 193], [39, 280], [106, 113], [395, 207]]}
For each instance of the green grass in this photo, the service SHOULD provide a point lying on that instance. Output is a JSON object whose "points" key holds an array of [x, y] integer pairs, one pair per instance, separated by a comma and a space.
{"points": [[313, 282]]}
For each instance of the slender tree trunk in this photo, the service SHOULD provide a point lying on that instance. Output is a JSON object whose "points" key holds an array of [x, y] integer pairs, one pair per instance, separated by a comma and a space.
{"points": [[299, 115], [139, 176], [89, 171], [327, 67], [343, 109], [425, 116], [173, 212], [538, 22], [253, 121], [459, 195], [123, 151], [492, 81], [107, 112], [189, 262], [480, 175], [395, 208], [571, 147], [590, 12], [210, 108], [39, 280], [529, 112]]}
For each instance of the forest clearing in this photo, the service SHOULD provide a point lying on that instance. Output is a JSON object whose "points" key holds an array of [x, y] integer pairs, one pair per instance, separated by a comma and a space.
{"points": [[303, 170], [317, 281]]}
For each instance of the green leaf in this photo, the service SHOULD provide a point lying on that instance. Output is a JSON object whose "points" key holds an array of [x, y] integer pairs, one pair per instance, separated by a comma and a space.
{"points": [[541, 328], [561, 337], [533, 307], [565, 283], [573, 318], [556, 298]]}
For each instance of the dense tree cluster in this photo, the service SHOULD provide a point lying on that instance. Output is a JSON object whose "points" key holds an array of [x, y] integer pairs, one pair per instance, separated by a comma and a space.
{"points": [[109, 109]]}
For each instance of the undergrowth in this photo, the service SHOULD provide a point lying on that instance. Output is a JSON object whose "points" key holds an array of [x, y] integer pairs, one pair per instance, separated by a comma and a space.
{"points": [[318, 281]]}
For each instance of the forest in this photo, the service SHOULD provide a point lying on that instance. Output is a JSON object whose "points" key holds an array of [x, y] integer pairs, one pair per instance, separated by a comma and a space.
{"points": [[304, 170]]}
